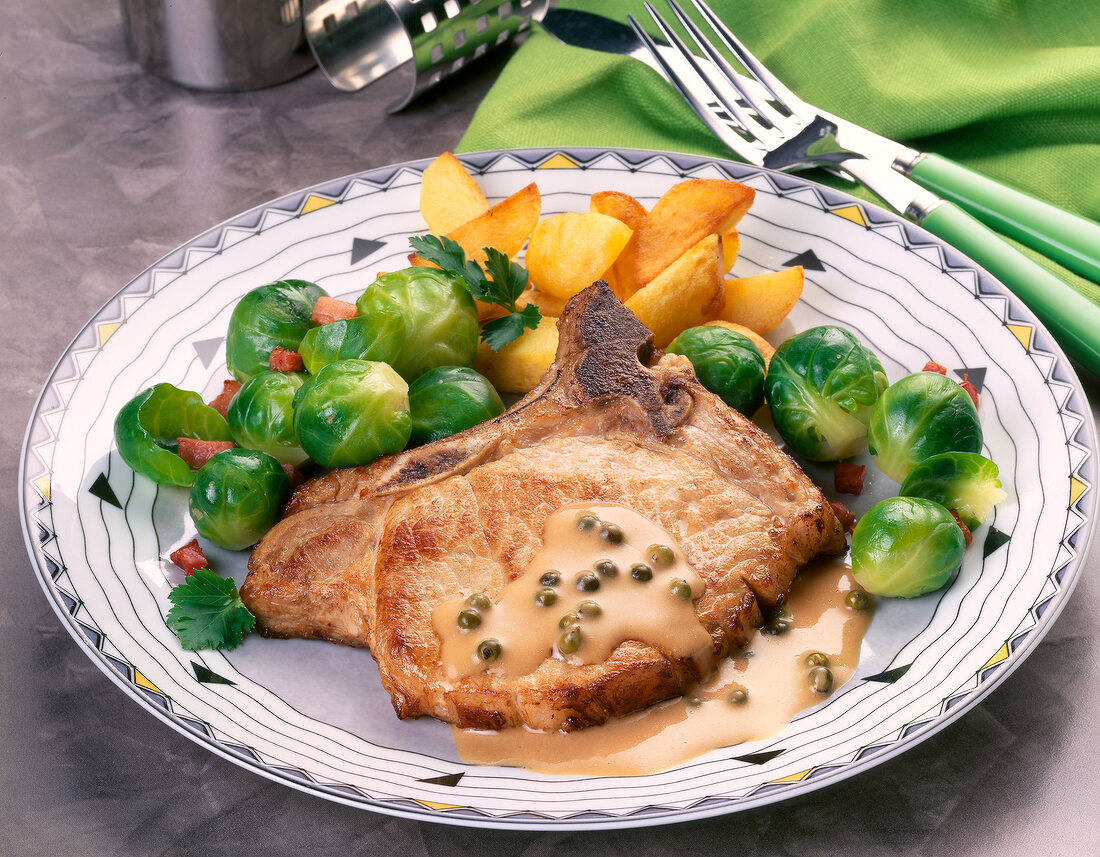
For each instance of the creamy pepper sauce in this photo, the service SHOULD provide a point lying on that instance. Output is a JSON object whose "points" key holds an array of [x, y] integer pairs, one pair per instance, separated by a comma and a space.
{"points": [[750, 697]]}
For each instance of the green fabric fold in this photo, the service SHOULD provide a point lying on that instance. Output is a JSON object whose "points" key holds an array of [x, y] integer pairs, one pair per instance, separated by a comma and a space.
{"points": [[1010, 88]]}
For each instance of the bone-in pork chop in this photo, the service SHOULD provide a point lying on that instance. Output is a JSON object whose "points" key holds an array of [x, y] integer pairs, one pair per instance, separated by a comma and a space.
{"points": [[365, 555]]}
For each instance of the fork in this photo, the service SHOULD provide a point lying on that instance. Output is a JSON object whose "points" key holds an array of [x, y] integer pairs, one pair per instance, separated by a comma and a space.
{"points": [[766, 124]]}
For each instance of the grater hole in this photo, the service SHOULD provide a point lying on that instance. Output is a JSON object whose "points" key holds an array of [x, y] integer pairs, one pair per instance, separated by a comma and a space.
{"points": [[457, 64], [504, 10], [451, 8], [329, 23], [482, 23], [428, 22], [460, 38], [480, 49], [352, 9], [502, 38], [437, 52]]}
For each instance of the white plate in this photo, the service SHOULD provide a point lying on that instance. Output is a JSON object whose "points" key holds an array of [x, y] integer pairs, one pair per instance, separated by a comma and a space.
{"points": [[312, 715]]}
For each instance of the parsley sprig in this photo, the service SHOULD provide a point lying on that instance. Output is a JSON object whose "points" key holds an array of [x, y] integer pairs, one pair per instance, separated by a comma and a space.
{"points": [[500, 282], [208, 613]]}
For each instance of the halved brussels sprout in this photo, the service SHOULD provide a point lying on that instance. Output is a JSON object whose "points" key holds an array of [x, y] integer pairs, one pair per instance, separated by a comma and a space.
{"points": [[275, 314], [351, 412], [378, 337], [919, 416], [445, 400], [822, 385], [238, 496], [440, 318], [963, 481], [906, 546], [261, 415], [147, 427], [727, 363]]}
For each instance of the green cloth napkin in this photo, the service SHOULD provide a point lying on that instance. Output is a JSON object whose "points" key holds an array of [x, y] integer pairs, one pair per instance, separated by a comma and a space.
{"points": [[1009, 88]]}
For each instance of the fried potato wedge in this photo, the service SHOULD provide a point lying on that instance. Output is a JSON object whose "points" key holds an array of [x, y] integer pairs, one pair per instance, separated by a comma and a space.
{"points": [[766, 348], [762, 301], [731, 248], [687, 293], [568, 252], [624, 207], [504, 227], [549, 305], [449, 195], [686, 213], [520, 365]]}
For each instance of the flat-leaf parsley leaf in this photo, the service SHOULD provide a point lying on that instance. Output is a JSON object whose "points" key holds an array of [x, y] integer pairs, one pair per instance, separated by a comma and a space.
{"points": [[500, 282], [208, 613]]}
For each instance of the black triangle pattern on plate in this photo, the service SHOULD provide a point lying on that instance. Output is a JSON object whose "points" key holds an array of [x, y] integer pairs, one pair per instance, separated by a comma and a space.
{"points": [[994, 540], [445, 780], [975, 376], [759, 758], [361, 248], [207, 349], [102, 489], [207, 676], [807, 260], [889, 676]]}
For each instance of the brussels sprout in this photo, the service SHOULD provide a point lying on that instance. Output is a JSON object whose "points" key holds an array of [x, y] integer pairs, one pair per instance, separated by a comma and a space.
{"points": [[727, 363], [445, 400], [351, 412], [238, 496], [378, 337], [147, 426], [275, 314], [963, 481], [906, 546], [821, 386], [261, 415], [919, 416], [440, 318]]}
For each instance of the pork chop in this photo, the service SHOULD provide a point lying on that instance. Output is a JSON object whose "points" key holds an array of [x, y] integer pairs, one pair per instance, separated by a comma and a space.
{"points": [[365, 555]]}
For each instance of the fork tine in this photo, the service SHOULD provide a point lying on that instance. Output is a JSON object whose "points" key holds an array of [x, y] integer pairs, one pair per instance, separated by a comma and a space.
{"points": [[782, 95], [731, 107], [720, 62]]}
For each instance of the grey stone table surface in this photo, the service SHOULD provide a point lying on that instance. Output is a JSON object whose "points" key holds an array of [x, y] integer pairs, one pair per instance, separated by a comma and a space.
{"points": [[104, 169]]}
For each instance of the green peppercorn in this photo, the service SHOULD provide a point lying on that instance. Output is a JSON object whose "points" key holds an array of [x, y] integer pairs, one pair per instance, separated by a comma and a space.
{"points": [[550, 578], [660, 555], [611, 533], [680, 588], [479, 601], [586, 523], [817, 659], [568, 621], [641, 572], [857, 599], [821, 680], [587, 581], [738, 697], [489, 650], [468, 618], [606, 568], [693, 701], [589, 609], [546, 597], [570, 641], [779, 623]]}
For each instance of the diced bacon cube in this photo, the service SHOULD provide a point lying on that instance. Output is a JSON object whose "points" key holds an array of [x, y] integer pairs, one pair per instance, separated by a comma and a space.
{"points": [[971, 390], [189, 557], [328, 310], [968, 536], [284, 360], [848, 477], [221, 402], [294, 474], [197, 452], [932, 366], [845, 515]]}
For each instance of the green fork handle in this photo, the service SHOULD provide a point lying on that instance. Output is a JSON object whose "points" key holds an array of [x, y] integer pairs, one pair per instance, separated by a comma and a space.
{"points": [[1066, 238], [1072, 318]]}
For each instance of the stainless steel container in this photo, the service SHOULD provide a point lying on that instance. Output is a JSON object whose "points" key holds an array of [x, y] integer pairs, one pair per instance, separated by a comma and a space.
{"points": [[219, 45]]}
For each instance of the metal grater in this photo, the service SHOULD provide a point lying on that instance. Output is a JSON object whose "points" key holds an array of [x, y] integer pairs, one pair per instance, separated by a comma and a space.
{"points": [[356, 43]]}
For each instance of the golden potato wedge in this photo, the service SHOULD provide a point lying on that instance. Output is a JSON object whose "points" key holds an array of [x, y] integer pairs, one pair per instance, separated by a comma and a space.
{"points": [[731, 248], [759, 341], [682, 216], [449, 195], [568, 252], [624, 207], [687, 293], [762, 301], [548, 305], [520, 365], [504, 227]]}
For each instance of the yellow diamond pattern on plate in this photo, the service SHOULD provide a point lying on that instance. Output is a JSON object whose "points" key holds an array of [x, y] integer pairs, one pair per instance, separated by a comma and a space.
{"points": [[558, 162], [1023, 333], [42, 483], [142, 681], [794, 778], [314, 202], [1076, 489], [432, 805], [106, 331], [1002, 654], [851, 212]]}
